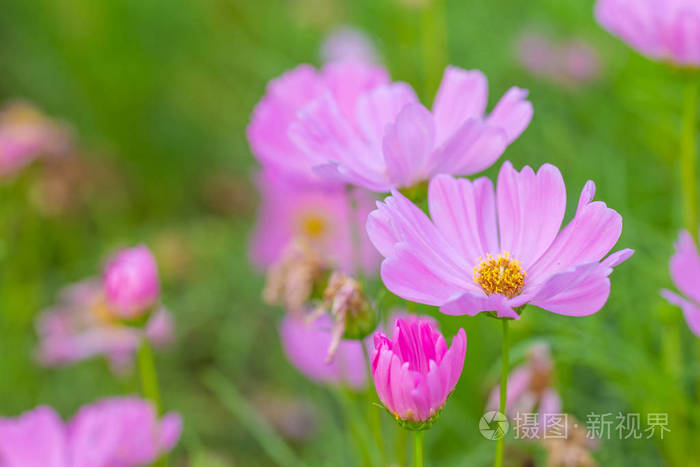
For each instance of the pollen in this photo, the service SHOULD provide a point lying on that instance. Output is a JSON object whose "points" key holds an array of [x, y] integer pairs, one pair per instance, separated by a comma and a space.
{"points": [[313, 226], [500, 275]]}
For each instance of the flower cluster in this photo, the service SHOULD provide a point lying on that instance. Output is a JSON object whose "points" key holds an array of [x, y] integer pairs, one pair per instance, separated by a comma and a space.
{"points": [[125, 432]]}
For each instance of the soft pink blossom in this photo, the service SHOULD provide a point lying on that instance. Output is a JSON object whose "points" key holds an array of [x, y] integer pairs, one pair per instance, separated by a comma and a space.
{"points": [[118, 432], [665, 30], [390, 140], [26, 134], [341, 83], [487, 250], [530, 388], [131, 282], [568, 63], [347, 43], [414, 371], [306, 344], [685, 272], [324, 217], [81, 326]]}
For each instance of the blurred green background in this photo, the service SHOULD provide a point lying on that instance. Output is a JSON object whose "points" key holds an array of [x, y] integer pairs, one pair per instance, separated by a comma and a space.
{"points": [[160, 92]]}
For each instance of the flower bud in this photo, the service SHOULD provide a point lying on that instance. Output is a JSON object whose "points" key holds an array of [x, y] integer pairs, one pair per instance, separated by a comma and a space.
{"points": [[130, 282]]}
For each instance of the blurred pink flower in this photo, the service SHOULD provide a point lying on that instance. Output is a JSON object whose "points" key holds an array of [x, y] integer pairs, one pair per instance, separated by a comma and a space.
{"points": [[81, 326], [393, 141], [26, 134], [530, 389], [567, 63], [339, 82], [685, 272], [321, 216], [414, 371], [305, 344], [497, 251], [118, 432], [665, 30], [348, 43], [131, 282]]}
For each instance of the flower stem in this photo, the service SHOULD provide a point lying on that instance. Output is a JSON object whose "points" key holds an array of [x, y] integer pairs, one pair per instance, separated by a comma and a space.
{"points": [[433, 46], [688, 156], [375, 423], [418, 449], [149, 385], [498, 461]]}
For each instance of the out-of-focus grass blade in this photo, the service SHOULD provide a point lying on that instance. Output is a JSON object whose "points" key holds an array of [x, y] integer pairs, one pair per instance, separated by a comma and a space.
{"points": [[269, 440]]}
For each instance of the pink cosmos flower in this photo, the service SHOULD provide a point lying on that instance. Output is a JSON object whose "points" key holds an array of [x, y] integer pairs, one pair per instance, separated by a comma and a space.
{"points": [[567, 63], [414, 371], [306, 343], [665, 30], [131, 282], [685, 272], [497, 251], [26, 134], [347, 43], [391, 141], [322, 216], [118, 432], [530, 389], [81, 326], [341, 83]]}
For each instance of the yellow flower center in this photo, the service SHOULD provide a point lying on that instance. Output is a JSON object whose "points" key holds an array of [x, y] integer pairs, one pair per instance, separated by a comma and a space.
{"points": [[313, 226], [500, 275], [102, 313]]}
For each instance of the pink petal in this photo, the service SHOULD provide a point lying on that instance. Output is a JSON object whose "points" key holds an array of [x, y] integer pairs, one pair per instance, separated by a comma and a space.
{"points": [[380, 107], [530, 210], [408, 144], [579, 291], [462, 95], [512, 113], [35, 439], [473, 303], [591, 234], [685, 266], [691, 310], [472, 148], [170, 431], [348, 80], [465, 213]]}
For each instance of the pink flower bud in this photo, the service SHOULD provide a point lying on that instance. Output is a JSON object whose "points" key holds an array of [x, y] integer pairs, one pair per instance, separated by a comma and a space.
{"points": [[414, 371], [131, 282]]}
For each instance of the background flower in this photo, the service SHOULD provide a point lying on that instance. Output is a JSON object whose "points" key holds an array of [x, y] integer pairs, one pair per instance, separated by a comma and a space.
{"points": [[393, 141], [685, 272], [667, 30]]}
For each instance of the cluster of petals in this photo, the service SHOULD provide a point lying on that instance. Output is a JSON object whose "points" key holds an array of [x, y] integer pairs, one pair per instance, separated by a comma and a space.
{"points": [[414, 371], [80, 326], [131, 282], [685, 272], [118, 432], [324, 216], [26, 134], [665, 30], [435, 261], [342, 82], [530, 388], [305, 343], [388, 139]]}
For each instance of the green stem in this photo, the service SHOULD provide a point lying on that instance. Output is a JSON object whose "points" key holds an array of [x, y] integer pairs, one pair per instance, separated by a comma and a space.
{"points": [[418, 449], [689, 158], [250, 419], [498, 461], [375, 423], [433, 46], [401, 442], [149, 385]]}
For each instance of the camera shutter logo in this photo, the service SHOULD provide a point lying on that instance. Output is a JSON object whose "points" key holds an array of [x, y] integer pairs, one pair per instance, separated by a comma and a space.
{"points": [[494, 425]]}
